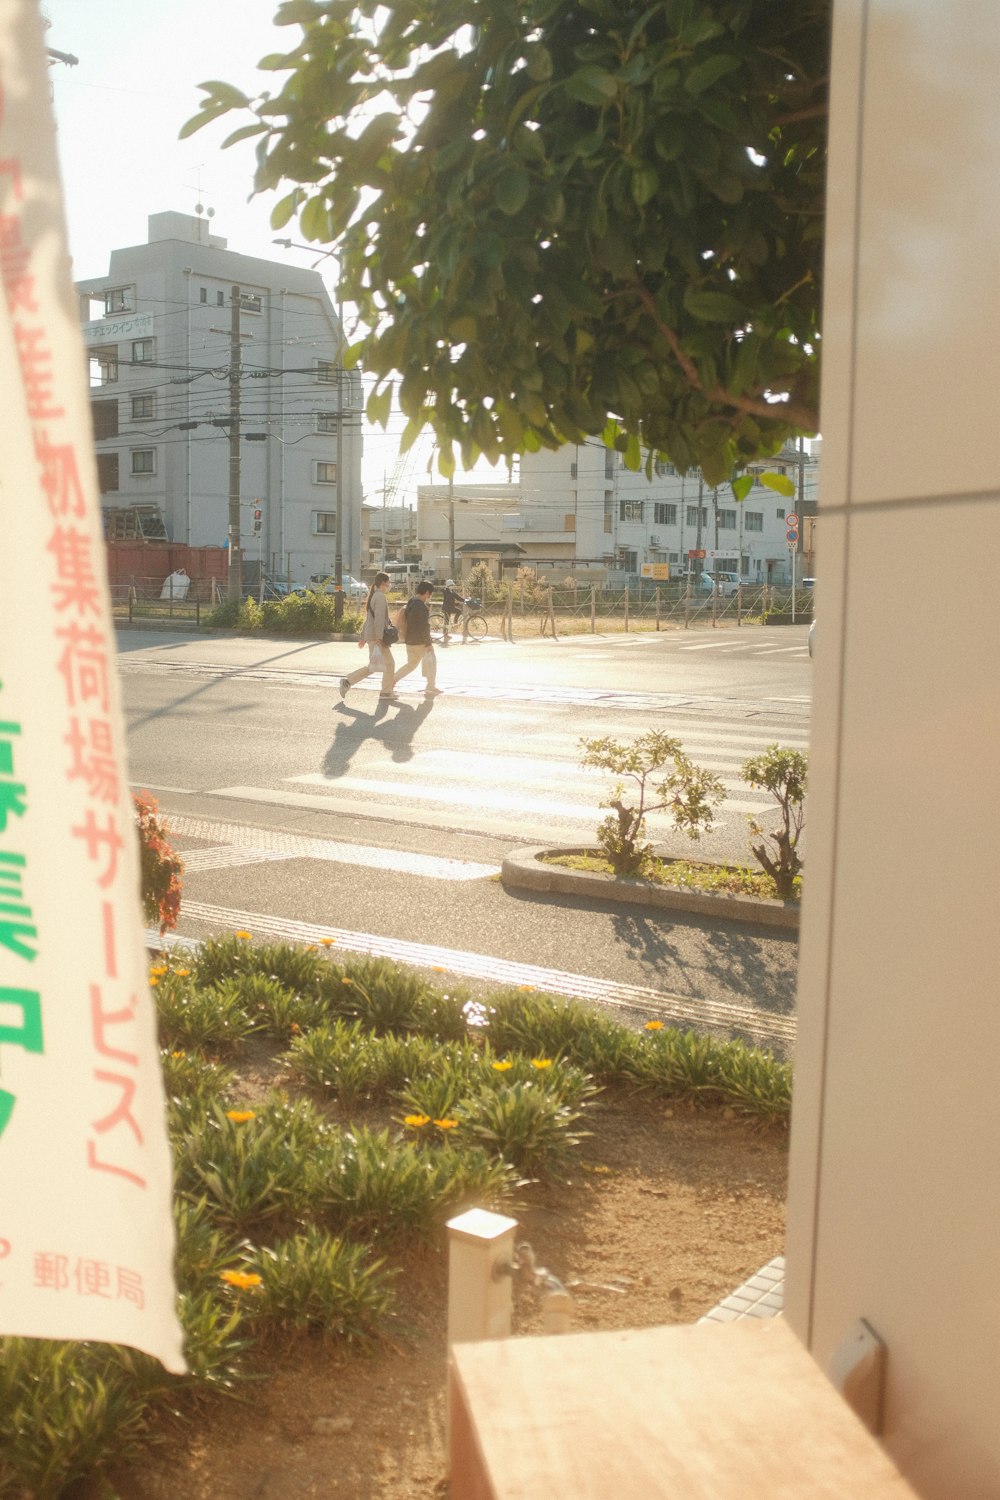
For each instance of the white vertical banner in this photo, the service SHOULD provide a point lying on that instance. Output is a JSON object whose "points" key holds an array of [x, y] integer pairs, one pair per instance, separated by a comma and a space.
{"points": [[86, 1236]]}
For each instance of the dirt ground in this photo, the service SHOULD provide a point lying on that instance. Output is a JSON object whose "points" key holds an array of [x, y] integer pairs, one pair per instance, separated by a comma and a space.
{"points": [[669, 1211]]}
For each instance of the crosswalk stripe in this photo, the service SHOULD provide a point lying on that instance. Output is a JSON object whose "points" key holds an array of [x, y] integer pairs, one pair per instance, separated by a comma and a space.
{"points": [[239, 845], [685, 1010]]}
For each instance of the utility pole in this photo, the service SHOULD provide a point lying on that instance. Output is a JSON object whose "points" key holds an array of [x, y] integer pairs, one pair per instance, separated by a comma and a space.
{"points": [[451, 525], [338, 543], [235, 590]]}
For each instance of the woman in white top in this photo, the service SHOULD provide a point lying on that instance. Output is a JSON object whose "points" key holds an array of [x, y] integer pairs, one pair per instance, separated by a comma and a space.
{"points": [[376, 624]]}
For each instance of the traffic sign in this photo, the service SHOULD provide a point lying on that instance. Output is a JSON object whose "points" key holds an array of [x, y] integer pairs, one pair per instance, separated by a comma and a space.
{"points": [[792, 541], [696, 552], [792, 518], [791, 534]]}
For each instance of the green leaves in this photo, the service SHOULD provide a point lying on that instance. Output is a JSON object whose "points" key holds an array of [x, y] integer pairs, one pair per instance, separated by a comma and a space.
{"points": [[592, 85], [573, 202]]}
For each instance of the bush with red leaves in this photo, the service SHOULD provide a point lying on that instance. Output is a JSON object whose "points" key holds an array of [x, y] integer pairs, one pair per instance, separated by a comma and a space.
{"points": [[160, 867]]}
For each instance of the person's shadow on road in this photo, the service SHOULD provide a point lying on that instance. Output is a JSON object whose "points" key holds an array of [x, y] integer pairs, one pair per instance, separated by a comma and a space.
{"points": [[393, 725]]}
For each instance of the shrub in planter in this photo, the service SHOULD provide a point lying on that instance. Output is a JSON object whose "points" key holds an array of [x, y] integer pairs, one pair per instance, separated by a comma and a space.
{"points": [[686, 791], [159, 865]]}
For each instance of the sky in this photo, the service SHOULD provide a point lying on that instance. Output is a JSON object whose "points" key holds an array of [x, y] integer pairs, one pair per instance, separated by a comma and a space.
{"points": [[118, 113]]}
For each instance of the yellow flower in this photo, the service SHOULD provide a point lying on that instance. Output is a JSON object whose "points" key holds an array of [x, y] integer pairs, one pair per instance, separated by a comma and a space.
{"points": [[438, 969], [526, 987], [326, 942], [501, 1067], [446, 1124], [153, 983], [345, 980], [178, 1054], [541, 1062], [241, 934], [241, 1279], [240, 1116], [183, 973], [159, 971], [416, 1121], [653, 1026]]}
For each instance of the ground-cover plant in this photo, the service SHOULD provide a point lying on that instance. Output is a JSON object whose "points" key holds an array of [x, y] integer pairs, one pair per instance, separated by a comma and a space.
{"points": [[318, 1282], [524, 1123], [687, 792], [191, 1016], [783, 773], [684, 874]]}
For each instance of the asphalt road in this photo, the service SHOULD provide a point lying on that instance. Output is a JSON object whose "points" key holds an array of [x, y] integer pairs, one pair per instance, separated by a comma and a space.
{"points": [[384, 826]]}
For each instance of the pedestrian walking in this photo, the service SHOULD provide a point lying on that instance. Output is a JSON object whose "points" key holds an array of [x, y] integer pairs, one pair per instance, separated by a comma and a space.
{"points": [[373, 635], [417, 636]]}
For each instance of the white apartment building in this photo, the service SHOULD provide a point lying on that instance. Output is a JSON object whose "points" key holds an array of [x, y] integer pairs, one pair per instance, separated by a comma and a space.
{"points": [[580, 510], [167, 377]]}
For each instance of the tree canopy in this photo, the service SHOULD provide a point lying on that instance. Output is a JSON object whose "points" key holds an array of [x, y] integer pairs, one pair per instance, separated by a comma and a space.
{"points": [[561, 218]]}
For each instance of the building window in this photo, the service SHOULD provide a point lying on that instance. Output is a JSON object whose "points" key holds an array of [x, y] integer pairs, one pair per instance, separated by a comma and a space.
{"points": [[326, 473], [143, 460], [574, 469], [629, 560], [203, 294], [107, 472], [727, 520], [610, 463], [609, 510], [143, 405], [104, 415], [220, 299], [781, 513], [324, 522], [104, 365], [692, 515], [250, 302], [326, 421], [754, 520], [143, 351], [326, 371], [663, 514], [117, 299], [630, 510], [661, 468]]}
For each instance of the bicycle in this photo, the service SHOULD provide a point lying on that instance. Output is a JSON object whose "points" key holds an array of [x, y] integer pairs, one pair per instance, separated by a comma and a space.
{"points": [[475, 626]]}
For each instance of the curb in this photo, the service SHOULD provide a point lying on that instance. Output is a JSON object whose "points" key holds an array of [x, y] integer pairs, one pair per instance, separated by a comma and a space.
{"points": [[523, 870]]}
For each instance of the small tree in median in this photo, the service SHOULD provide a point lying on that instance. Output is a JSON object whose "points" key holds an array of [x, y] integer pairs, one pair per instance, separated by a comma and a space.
{"points": [[783, 774], [688, 792]]}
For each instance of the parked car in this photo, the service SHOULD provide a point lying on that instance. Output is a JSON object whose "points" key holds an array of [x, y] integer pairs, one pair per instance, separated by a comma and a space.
{"points": [[727, 583], [322, 583]]}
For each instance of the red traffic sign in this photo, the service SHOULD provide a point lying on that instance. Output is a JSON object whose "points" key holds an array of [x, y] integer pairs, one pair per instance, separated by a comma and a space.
{"points": [[792, 518], [696, 552]]}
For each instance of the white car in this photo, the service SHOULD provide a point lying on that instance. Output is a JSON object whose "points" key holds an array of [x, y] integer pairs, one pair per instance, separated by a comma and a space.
{"points": [[322, 583], [727, 583]]}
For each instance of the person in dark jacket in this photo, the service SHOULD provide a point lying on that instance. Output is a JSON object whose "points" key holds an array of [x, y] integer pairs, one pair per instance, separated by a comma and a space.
{"points": [[419, 647], [453, 603]]}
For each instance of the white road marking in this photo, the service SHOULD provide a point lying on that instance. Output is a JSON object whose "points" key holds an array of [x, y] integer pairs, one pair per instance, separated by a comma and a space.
{"points": [[241, 845]]}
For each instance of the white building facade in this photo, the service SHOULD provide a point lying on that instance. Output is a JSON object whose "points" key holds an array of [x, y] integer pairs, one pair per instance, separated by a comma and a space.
{"points": [[579, 510], [167, 377]]}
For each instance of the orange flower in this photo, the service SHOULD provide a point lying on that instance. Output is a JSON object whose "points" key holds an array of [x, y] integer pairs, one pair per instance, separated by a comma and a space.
{"points": [[653, 1026], [182, 973], [242, 1280], [241, 934], [446, 1124], [326, 942], [415, 1122], [159, 971], [526, 987], [240, 1116]]}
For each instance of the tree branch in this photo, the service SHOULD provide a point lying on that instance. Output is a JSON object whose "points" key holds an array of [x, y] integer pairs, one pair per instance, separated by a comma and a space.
{"points": [[793, 412]]}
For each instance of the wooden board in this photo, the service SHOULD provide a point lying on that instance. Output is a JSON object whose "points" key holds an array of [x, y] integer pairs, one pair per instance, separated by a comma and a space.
{"points": [[735, 1411]]}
